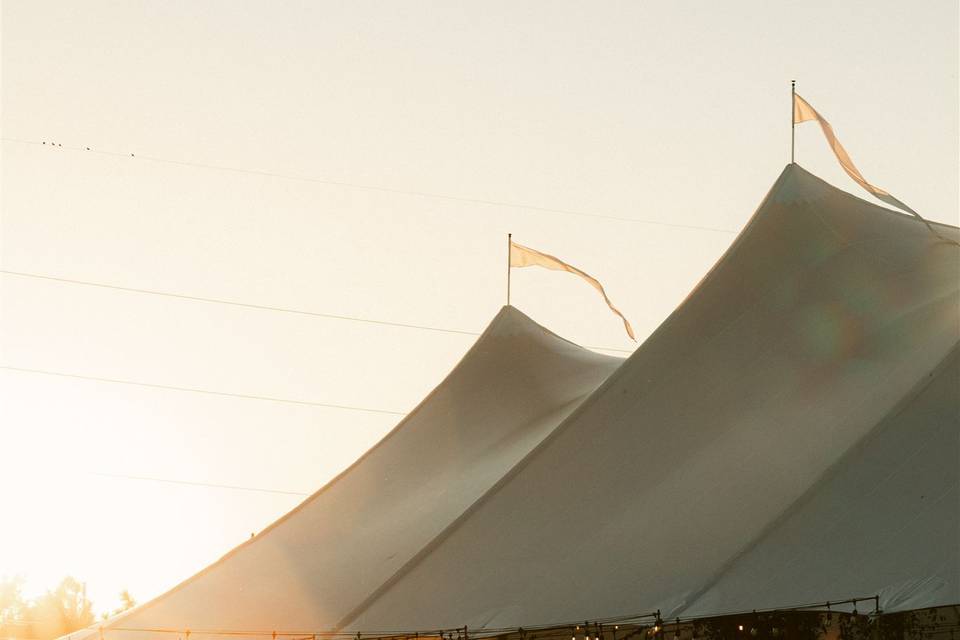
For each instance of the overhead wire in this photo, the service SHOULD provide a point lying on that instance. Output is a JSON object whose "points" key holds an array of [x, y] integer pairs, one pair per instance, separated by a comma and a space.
{"points": [[366, 187], [191, 483], [228, 394], [186, 483], [260, 307]]}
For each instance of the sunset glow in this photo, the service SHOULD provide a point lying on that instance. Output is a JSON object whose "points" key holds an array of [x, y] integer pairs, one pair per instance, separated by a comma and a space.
{"points": [[240, 241]]}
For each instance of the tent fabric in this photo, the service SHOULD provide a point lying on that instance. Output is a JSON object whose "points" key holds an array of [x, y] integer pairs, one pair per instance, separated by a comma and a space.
{"points": [[322, 559], [788, 435], [885, 520], [825, 313]]}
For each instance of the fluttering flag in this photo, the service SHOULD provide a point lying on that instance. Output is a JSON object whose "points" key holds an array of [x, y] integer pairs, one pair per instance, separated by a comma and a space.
{"points": [[803, 112], [521, 256]]}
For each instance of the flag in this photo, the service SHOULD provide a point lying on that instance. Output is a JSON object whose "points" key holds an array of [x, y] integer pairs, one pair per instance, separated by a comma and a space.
{"points": [[803, 112], [521, 256]]}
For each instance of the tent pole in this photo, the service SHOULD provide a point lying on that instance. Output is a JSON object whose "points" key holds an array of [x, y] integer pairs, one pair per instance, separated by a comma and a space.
{"points": [[509, 245], [793, 124]]}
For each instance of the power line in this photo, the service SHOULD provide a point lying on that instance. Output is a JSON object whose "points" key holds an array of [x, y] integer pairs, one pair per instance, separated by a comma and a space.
{"points": [[363, 187], [261, 307], [120, 476], [203, 391]]}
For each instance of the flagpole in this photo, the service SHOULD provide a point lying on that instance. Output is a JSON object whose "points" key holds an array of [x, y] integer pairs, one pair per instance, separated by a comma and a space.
{"points": [[793, 124], [509, 245]]}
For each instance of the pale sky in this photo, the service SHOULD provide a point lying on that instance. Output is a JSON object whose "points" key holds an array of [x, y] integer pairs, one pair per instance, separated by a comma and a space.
{"points": [[668, 111]]}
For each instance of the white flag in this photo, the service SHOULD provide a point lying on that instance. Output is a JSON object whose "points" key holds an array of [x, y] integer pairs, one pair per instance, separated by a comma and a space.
{"points": [[521, 256], [803, 112]]}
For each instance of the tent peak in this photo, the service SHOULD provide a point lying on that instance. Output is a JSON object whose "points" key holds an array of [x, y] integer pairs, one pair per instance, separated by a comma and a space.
{"points": [[511, 321], [796, 182]]}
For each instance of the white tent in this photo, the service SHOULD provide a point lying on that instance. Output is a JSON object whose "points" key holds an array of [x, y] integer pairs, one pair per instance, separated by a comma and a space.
{"points": [[789, 434], [321, 560], [807, 337]]}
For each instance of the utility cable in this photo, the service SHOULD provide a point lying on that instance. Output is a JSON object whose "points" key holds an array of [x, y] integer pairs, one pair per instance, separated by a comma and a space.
{"points": [[261, 307], [245, 396], [364, 187], [120, 476]]}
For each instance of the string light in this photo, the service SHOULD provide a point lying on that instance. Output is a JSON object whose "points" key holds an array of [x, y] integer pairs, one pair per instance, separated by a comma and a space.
{"points": [[758, 628]]}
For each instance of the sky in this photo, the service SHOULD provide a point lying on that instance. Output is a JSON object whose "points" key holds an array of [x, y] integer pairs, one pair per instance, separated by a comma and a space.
{"points": [[367, 160]]}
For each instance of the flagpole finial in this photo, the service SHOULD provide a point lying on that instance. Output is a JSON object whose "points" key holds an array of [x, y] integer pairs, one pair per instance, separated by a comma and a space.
{"points": [[509, 247], [793, 119]]}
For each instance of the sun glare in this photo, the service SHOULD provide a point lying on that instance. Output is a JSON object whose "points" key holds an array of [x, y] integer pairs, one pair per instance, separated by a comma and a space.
{"points": [[61, 519]]}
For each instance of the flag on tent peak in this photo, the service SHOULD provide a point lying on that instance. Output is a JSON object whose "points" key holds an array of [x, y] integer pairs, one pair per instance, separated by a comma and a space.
{"points": [[521, 256], [804, 112]]}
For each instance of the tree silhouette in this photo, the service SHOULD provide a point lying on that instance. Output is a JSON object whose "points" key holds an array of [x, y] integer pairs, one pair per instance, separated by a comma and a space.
{"points": [[12, 604], [55, 613], [126, 602]]}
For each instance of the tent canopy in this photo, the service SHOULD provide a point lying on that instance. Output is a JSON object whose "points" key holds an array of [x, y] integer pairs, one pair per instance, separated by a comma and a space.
{"points": [[809, 340], [314, 565], [789, 434]]}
